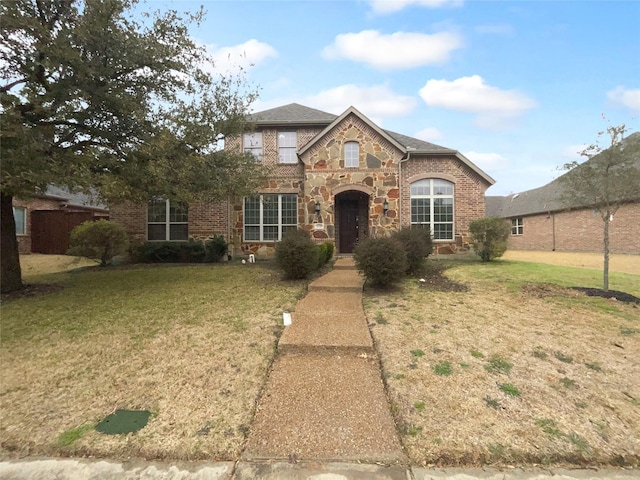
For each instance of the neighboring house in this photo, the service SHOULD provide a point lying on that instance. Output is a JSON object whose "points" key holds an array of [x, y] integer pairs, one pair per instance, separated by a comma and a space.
{"points": [[540, 220], [44, 221], [342, 178]]}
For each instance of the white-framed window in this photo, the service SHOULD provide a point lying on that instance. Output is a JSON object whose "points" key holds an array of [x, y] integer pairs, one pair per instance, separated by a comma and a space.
{"points": [[517, 226], [167, 221], [252, 143], [351, 155], [432, 207], [268, 217], [287, 146], [20, 216]]}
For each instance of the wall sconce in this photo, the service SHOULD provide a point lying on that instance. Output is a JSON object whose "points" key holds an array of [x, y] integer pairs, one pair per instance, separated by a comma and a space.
{"points": [[318, 210], [385, 207]]}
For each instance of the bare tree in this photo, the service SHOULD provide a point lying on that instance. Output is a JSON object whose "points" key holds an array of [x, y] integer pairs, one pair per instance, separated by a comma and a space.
{"points": [[608, 179]]}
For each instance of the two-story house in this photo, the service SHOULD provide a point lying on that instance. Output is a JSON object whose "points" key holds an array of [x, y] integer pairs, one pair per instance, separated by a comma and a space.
{"points": [[342, 178]]}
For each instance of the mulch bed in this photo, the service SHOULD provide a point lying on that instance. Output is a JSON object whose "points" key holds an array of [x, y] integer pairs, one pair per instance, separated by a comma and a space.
{"points": [[612, 294]]}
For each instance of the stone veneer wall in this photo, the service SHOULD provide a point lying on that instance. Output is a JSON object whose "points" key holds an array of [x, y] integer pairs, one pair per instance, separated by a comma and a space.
{"points": [[376, 175]]}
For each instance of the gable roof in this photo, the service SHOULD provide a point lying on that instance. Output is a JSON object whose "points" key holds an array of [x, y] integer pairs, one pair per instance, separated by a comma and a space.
{"points": [[547, 198], [296, 114]]}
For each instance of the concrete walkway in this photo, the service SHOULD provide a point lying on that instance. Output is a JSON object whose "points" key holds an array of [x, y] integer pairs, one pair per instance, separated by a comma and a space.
{"points": [[324, 399]]}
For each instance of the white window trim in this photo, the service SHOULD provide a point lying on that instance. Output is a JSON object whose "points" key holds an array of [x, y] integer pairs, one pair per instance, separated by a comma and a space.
{"points": [[24, 221], [288, 149], [357, 155], [517, 226], [433, 197], [261, 225], [257, 152], [167, 223]]}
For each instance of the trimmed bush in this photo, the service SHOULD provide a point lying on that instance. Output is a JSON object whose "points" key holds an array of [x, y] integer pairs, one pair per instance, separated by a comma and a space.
{"points": [[490, 237], [417, 245], [193, 251], [101, 240], [325, 253], [382, 260], [297, 255], [216, 248]]}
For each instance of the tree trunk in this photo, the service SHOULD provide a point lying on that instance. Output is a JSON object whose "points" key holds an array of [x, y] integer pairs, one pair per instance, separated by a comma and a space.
{"points": [[10, 273], [605, 272]]}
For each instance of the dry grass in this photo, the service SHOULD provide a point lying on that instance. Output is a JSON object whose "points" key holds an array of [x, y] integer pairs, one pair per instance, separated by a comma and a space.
{"points": [[36, 265], [192, 344], [571, 394]]}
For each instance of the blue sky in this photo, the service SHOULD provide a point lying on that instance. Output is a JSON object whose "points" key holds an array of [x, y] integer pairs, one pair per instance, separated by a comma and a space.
{"points": [[519, 87]]}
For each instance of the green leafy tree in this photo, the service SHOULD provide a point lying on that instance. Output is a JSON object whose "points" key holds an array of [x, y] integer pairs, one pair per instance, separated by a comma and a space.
{"points": [[606, 181], [490, 237], [101, 240], [94, 96]]}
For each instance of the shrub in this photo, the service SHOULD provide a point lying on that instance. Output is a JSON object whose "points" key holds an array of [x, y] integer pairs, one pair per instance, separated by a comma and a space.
{"points": [[216, 248], [382, 260], [297, 255], [101, 240], [417, 246], [325, 253], [490, 237], [193, 251]]}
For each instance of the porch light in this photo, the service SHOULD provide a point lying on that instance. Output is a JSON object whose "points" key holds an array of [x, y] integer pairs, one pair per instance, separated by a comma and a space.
{"points": [[318, 210], [385, 207]]}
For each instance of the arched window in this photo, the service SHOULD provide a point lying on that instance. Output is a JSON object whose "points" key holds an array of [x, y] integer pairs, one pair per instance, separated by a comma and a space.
{"points": [[432, 207], [351, 155]]}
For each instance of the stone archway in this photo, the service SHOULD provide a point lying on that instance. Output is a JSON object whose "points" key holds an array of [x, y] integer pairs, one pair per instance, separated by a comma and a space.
{"points": [[352, 219]]}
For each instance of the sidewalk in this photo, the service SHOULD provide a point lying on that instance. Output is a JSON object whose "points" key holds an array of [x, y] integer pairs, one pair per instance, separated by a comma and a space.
{"points": [[324, 398]]}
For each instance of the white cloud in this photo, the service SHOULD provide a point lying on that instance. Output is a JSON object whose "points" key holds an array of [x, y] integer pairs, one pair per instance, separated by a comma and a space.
{"points": [[496, 108], [397, 50], [429, 134], [488, 161], [391, 6], [376, 102], [626, 97], [247, 54]]}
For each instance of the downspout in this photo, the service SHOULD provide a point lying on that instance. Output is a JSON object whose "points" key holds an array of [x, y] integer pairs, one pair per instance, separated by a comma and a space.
{"points": [[400, 185], [553, 226]]}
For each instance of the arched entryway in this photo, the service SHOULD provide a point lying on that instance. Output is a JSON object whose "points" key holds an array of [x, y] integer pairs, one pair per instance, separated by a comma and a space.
{"points": [[352, 219]]}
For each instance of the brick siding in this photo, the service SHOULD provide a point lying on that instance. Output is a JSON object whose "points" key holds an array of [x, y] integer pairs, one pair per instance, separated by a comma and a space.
{"points": [[580, 231]]}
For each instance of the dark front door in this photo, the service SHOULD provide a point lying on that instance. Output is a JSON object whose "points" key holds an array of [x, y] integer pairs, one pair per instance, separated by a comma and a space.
{"points": [[349, 225]]}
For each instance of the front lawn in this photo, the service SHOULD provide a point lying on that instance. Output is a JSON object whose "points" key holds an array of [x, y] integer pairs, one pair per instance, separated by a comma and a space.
{"points": [[191, 344], [503, 363]]}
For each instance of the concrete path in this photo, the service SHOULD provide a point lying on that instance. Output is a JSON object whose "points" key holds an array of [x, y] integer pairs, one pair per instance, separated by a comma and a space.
{"points": [[324, 399]]}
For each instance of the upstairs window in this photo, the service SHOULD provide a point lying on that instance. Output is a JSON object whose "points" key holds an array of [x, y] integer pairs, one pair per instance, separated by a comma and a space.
{"points": [[517, 226], [167, 221], [432, 207], [287, 146], [351, 155], [20, 216], [252, 143]]}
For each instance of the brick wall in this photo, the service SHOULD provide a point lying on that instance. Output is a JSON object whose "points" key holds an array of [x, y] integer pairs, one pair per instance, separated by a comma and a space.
{"points": [[469, 189], [580, 231]]}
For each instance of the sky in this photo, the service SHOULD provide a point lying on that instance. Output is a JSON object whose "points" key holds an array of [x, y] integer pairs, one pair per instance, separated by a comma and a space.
{"points": [[518, 87]]}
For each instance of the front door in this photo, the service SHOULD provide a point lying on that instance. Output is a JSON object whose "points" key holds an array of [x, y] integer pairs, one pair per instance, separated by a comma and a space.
{"points": [[349, 225]]}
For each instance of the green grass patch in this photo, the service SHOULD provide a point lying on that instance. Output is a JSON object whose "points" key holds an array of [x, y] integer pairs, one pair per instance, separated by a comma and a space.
{"points": [[66, 439], [496, 364], [595, 366], [417, 353], [419, 406], [380, 320], [510, 389], [567, 382], [443, 368], [492, 403], [477, 354], [538, 352], [549, 426], [579, 442], [563, 358]]}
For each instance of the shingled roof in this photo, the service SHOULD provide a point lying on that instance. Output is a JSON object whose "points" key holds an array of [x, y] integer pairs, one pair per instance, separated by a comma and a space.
{"points": [[548, 198]]}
